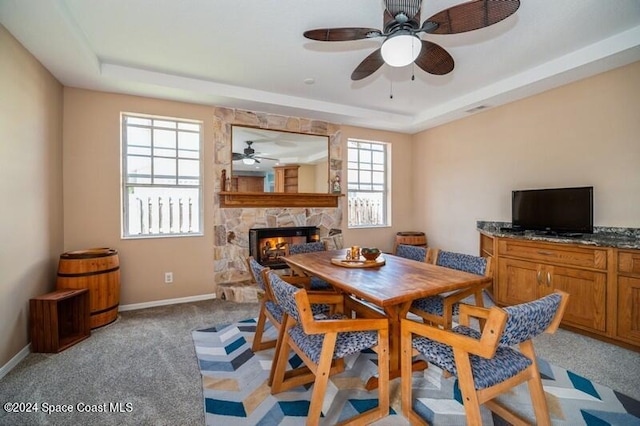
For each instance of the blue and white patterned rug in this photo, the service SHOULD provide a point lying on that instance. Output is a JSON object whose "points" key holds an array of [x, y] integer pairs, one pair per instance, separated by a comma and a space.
{"points": [[235, 390]]}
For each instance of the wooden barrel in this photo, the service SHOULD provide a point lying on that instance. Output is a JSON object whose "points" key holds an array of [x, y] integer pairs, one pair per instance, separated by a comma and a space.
{"points": [[98, 270], [411, 238]]}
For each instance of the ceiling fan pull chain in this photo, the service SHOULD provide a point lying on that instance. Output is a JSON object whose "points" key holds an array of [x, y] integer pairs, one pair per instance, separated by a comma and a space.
{"points": [[390, 89]]}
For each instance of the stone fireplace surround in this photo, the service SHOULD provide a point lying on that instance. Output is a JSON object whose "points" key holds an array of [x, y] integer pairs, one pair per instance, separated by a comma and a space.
{"points": [[231, 225]]}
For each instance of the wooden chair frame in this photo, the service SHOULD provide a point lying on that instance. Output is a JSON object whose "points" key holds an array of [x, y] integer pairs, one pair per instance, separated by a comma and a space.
{"points": [[264, 314], [445, 321], [319, 373], [486, 346]]}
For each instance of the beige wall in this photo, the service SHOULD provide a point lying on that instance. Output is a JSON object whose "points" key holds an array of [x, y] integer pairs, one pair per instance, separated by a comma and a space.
{"points": [[30, 188], [92, 197], [307, 178], [402, 184], [585, 133]]}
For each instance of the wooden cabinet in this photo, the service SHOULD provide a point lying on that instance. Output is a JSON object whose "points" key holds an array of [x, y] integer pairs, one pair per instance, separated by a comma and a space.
{"points": [[286, 178], [522, 281], [603, 283], [628, 325]]}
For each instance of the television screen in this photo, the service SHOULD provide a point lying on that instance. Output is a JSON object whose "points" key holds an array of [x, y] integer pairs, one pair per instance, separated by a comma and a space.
{"points": [[559, 210]]}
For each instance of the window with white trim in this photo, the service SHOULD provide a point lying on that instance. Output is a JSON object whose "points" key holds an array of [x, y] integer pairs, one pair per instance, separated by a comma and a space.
{"points": [[162, 176], [367, 177]]}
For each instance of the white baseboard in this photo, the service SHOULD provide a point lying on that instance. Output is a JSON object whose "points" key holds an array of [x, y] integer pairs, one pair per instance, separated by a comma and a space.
{"points": [[4, 370], [143, 305]]}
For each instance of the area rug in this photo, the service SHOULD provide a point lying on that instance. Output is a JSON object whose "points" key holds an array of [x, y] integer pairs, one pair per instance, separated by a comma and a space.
{"points": [[235, 390]]}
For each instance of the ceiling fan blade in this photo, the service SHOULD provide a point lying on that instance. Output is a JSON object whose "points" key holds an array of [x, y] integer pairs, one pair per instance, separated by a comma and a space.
{"points": [[473, 15], [434, 59], [341, 34], [368, 66], [264, 158], [237, 156]]}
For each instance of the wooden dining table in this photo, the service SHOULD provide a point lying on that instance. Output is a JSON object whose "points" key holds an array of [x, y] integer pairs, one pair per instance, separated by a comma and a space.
{"points": [[391, 287]]}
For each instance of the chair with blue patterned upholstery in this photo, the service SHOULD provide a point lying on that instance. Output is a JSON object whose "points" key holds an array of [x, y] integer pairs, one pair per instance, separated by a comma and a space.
{"points": [[485, 364], [441, 308], [322, 342], [417, 253], [315, 283], [269, 308]]}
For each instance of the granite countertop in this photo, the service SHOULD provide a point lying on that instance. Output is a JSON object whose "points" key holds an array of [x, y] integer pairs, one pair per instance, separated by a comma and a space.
{"points": [[601, 237]]}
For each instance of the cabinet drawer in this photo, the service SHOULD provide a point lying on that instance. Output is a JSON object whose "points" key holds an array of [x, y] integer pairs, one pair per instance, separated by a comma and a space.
{"points": [[569, 256], [629, 262]]}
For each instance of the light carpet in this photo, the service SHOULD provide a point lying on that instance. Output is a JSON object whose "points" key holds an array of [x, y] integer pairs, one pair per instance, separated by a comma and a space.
{"points": [[235, 390]]}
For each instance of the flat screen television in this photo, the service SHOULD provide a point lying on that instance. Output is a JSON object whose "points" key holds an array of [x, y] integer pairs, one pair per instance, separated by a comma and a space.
{"points": [[557, 210]]}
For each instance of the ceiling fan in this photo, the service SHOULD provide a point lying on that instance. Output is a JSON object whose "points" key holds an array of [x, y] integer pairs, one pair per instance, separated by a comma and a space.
{"points": [[248, 156], [402, 44]]}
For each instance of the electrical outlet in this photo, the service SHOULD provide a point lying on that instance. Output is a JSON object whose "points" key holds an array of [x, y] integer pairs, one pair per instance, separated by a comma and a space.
{"points": [[168, 277]]}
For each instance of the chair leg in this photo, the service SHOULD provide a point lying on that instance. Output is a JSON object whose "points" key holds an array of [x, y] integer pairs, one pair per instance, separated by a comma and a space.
{"points": [[383, 372], [276, 354], [467, 388], [281, 358], [257, 338], [406, 379], [538, 400], [322, 378]]}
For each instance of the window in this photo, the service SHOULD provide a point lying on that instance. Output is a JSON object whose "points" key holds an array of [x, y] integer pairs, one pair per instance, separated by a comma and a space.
{"points": [[368, 198], [162, 176]]}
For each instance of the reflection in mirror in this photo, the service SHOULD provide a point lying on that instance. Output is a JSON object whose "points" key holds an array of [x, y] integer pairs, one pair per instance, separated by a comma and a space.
{"points": [[276, 161]]}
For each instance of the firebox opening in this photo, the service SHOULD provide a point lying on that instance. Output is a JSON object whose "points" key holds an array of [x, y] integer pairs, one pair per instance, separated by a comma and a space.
{"points": [[269, 245]]}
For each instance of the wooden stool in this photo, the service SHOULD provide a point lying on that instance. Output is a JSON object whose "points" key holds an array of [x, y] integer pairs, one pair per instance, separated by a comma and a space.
{"points": [[59, 320]]}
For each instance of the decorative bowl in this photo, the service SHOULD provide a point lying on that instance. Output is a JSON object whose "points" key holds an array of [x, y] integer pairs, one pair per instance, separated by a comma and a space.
{"points": [[370, 253]]}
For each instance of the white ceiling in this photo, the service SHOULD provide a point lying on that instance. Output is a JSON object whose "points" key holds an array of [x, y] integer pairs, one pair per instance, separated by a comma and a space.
{"points": [[252, 55]]}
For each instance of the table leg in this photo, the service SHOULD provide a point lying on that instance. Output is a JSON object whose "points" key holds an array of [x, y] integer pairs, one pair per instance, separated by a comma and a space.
{"points": [[395, 314]]}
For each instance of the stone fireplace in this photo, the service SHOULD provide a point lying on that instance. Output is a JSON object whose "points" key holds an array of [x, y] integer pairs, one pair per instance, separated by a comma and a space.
{"points": [[232, 225]]}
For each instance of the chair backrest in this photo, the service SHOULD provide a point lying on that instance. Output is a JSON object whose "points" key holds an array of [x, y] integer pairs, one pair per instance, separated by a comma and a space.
{"points": [[463, 262], [530, 319], [307, 247], [257, 271], [412, 252], [284, 294]]}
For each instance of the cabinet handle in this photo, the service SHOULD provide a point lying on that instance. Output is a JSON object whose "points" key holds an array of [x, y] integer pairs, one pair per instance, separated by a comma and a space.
{"points": [[545, 253], [538, 277], [549, 279]]}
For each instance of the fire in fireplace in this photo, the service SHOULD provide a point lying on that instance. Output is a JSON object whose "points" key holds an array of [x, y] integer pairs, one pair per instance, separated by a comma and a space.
{"points": [[269, 245]]}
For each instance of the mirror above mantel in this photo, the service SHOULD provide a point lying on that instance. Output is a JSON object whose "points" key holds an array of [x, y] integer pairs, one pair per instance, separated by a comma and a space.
{"points": [[265, 160], [277, 168]]}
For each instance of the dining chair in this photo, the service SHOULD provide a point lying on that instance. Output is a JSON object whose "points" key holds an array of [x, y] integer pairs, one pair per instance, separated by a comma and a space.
{"points": [[441, 308], [315, 283], [417, 253], [269, 308], [322, 342], [485, 363]]}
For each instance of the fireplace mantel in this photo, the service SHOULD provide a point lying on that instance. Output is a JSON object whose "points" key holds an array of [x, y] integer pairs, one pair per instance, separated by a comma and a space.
{"points": [[277, 199]]}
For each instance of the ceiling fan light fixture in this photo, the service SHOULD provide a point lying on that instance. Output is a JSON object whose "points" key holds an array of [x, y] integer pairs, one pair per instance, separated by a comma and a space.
{"points": [[248, 161], [401, 49]]}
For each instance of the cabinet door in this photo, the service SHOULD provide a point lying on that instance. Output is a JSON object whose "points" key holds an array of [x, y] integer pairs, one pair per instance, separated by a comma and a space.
{"points": [[518, 281], [587, 295], [629, 308]]}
